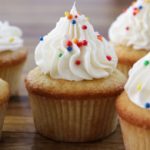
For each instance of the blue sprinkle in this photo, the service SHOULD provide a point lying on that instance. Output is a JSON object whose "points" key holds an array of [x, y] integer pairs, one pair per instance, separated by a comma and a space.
{"points": [[147, 105], [140, 7], [69, 48], [41, 38], [73, 22]]}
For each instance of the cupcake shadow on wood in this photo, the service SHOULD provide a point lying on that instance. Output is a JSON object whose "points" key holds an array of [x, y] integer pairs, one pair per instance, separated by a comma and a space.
{"points": [[12, 55], [74, 87], [130, 34]]}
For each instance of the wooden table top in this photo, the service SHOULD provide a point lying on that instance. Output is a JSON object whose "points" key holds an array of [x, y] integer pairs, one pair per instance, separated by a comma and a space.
{"points": [[36, 18]]}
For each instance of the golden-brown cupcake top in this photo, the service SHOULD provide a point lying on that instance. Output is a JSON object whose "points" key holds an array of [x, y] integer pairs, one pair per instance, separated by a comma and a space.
{"points": [[131, 112], [128, 55], [41, 84], [4, 91], [8, 58]]}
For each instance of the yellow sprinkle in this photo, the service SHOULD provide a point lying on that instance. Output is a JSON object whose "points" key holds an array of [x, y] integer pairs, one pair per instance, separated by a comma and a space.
{"points": [[87, 18], [67, 13], [139, 87], [11, 40]]}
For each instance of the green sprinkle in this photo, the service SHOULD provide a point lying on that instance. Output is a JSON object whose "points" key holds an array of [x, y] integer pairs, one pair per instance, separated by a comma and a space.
{"points": [[146, 62], [60, 55]]}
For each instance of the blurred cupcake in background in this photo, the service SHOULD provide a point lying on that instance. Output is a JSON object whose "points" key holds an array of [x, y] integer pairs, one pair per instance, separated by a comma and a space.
{"points": [[12, 55], [130, 34], [4, 97], [74, 88], [133, 107]]}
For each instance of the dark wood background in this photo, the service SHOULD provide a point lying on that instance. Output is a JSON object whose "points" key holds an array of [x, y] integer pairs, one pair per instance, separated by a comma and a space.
{"points": [[36, 18]]}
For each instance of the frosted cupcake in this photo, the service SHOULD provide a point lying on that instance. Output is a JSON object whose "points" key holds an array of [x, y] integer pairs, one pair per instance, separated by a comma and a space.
{"points": [[12, 55], [130, 34], [74, 87], [133, 107], [4, 97]]}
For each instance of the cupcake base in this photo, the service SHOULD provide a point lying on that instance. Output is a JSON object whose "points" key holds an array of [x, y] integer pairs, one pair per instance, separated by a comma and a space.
{"points": [[74, 120]]}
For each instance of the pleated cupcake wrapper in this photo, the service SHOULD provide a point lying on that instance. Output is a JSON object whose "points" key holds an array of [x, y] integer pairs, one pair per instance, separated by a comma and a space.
{"points": [[135, 138], [74, 120], [2, 116], [12, 75], [124, 68]]}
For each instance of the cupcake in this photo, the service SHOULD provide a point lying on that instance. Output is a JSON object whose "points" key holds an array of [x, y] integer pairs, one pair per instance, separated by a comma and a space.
{"points": [[130, 34], [133, 107], [12, 55], [74, 86], [4, 96]]}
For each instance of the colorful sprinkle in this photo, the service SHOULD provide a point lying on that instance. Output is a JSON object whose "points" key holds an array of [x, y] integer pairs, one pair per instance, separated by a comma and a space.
{"points": [[60, 55], [78, 62], [11, 40], [67, 13], [84, 27], [70, 17], [109, 58], [75, 41], [140, 7], [139, 87], [147, 105], [69, 43], [99, 37], [127, 28], [76, 16], [79, 44], [41, 38], [74, 22], [69, 48], [146, 63], [85, 42]]}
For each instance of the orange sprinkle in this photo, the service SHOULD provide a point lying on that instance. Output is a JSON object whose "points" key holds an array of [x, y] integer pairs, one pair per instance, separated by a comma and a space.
{"points": [[100, 37], [75, 41], [70, 17]]}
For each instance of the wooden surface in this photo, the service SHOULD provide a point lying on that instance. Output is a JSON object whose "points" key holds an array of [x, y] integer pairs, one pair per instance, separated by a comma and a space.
{"points": [[36, 18]]}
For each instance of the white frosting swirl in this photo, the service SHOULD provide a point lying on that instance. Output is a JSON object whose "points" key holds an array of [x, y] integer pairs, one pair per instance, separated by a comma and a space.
{"points": [[10, 37], [132, 27], [138, 84], [97, 59]]}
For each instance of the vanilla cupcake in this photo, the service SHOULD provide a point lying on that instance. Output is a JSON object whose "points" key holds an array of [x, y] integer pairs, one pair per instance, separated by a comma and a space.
{"points": [[4, 97], [133, 107], [74, 87], [12, 55], [130, 34]]}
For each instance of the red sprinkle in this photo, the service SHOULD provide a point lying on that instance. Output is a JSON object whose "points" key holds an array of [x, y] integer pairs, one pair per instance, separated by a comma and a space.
{"points": [[69, 43], [78, 62], [79, 44], [109, 58], [85, 42], [84, 27]]}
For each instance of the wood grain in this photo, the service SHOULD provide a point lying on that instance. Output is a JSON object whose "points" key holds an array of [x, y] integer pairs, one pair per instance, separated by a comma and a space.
{"points": [[36, 18]]}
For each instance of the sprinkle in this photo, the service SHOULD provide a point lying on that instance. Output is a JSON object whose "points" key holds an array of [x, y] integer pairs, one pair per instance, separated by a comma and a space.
{"points": [[78, 62], [109, 58], [60, 55], [73, 22], [84, 27], [99, 37], [41, 38], [70, 17], [11, 40], [69, 48], [127, 28], [139, 87], [87, 18], [69, 43], [146, 63], [76, 16], [85, 42], [67, 13], [140, 7], [79, 44], [75, 41], [147, 105]]}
